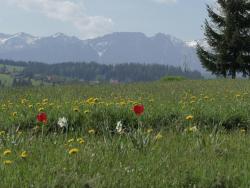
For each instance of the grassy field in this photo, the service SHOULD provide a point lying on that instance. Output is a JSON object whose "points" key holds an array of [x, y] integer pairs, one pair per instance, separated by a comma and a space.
{"points": [[12, 69], [191, 134], [6, 79]]}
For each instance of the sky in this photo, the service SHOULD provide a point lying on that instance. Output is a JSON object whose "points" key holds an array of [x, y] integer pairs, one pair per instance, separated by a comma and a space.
{"points": [[91, 18]]}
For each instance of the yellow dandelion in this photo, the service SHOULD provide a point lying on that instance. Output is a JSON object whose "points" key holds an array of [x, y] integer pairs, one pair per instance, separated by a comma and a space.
{"points": [[190, 117], [24, 154], [151, 100], [73, 151], [2, 133], [76, 109], [41, 109], [158, 136], [206, 97], [91, 131], [122, 103], [7, 152], [191, 102], [23, 101], [71, 140], [242, 130], [45, 100], [14, 114], [149, 130], [237, 95], [7, 162], [86, 111], [80, 140], [193, 97]]}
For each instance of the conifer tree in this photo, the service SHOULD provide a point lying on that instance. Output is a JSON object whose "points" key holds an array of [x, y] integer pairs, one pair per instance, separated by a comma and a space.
{"points": [[228, 35]]}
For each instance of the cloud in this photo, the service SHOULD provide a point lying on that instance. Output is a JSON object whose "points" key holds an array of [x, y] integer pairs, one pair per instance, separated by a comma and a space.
{"points": [[68, 11], [165, 1]]}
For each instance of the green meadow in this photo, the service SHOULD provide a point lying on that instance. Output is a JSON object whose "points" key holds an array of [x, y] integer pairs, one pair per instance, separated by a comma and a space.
{"points": [[190, 134]]}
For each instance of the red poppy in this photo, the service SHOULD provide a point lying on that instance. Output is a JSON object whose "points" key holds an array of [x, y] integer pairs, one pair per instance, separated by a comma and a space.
{"points": [[138, 109], [42, 117]]}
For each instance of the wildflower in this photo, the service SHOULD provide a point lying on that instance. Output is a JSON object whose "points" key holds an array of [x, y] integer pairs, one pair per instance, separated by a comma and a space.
{"points": [[190, 117], [51, 104], [237, 95], [80, 140], [122, 103], [76, 109], [7, 152], [206, 97], [23, 101], [242, 130], [24, 154], [45, 100], [86, 111], [158, 136], [138, 109], [193, 129], [193, 97], [14, 114], [42, 117], [73, 151], [7, 162], [149, 130], [41, 109], [2, 133], [151, 100], [71, 140], [62, 122], [119, 128], [91, 131]]}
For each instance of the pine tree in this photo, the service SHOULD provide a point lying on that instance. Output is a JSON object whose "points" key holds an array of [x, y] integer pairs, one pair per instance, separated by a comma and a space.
{"points": [[228, 36]]}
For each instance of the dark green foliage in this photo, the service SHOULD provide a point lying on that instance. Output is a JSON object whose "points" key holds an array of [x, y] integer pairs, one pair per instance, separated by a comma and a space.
{"points": [[228, 36], [127, 72]]}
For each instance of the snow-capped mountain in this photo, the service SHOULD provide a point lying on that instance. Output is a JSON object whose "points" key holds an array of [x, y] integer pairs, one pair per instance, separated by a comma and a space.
{"points": [[120, 47], [194, 43], [16, 41]]}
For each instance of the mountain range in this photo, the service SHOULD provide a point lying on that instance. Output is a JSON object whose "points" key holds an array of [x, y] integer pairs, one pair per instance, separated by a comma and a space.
{"points": [[114, 48]]}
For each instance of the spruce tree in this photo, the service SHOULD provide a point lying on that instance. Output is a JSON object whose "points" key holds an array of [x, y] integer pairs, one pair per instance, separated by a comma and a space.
{"points": [[228, 36]]}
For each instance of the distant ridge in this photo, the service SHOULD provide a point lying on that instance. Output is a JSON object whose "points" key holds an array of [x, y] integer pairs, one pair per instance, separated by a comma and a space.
{"points": [[114, 48]]}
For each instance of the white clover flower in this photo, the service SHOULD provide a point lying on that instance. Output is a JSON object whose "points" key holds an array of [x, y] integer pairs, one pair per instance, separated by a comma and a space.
{"points": [[62, 122], [119, 128]]}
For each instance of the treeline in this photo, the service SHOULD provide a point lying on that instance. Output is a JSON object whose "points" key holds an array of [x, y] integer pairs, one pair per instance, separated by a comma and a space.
{"points": [[14, 63], [127, 72]]}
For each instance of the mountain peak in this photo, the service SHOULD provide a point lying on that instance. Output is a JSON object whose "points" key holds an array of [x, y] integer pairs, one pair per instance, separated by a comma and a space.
{"points": [[23, 35], [59, 35]]}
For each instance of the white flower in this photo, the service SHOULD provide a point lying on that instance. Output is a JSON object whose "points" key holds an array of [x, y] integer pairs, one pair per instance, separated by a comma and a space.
{"points": [[62, 122], [119, 128]]}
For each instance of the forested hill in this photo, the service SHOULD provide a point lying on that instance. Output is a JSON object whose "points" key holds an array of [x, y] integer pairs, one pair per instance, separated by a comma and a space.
{"points": [[127, 72]]}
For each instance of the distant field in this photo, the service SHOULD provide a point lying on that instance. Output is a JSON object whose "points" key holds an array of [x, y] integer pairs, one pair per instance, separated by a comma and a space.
{"points": [[191, 134], [12, 68], [6, 79]]}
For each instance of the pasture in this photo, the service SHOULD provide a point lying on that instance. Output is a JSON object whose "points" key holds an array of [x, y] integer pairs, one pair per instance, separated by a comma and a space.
{"points": [[190, 134]]}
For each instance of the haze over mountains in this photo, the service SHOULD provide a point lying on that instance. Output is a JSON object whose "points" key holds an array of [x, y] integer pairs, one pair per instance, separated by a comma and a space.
{"points": [[122, 47]]}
